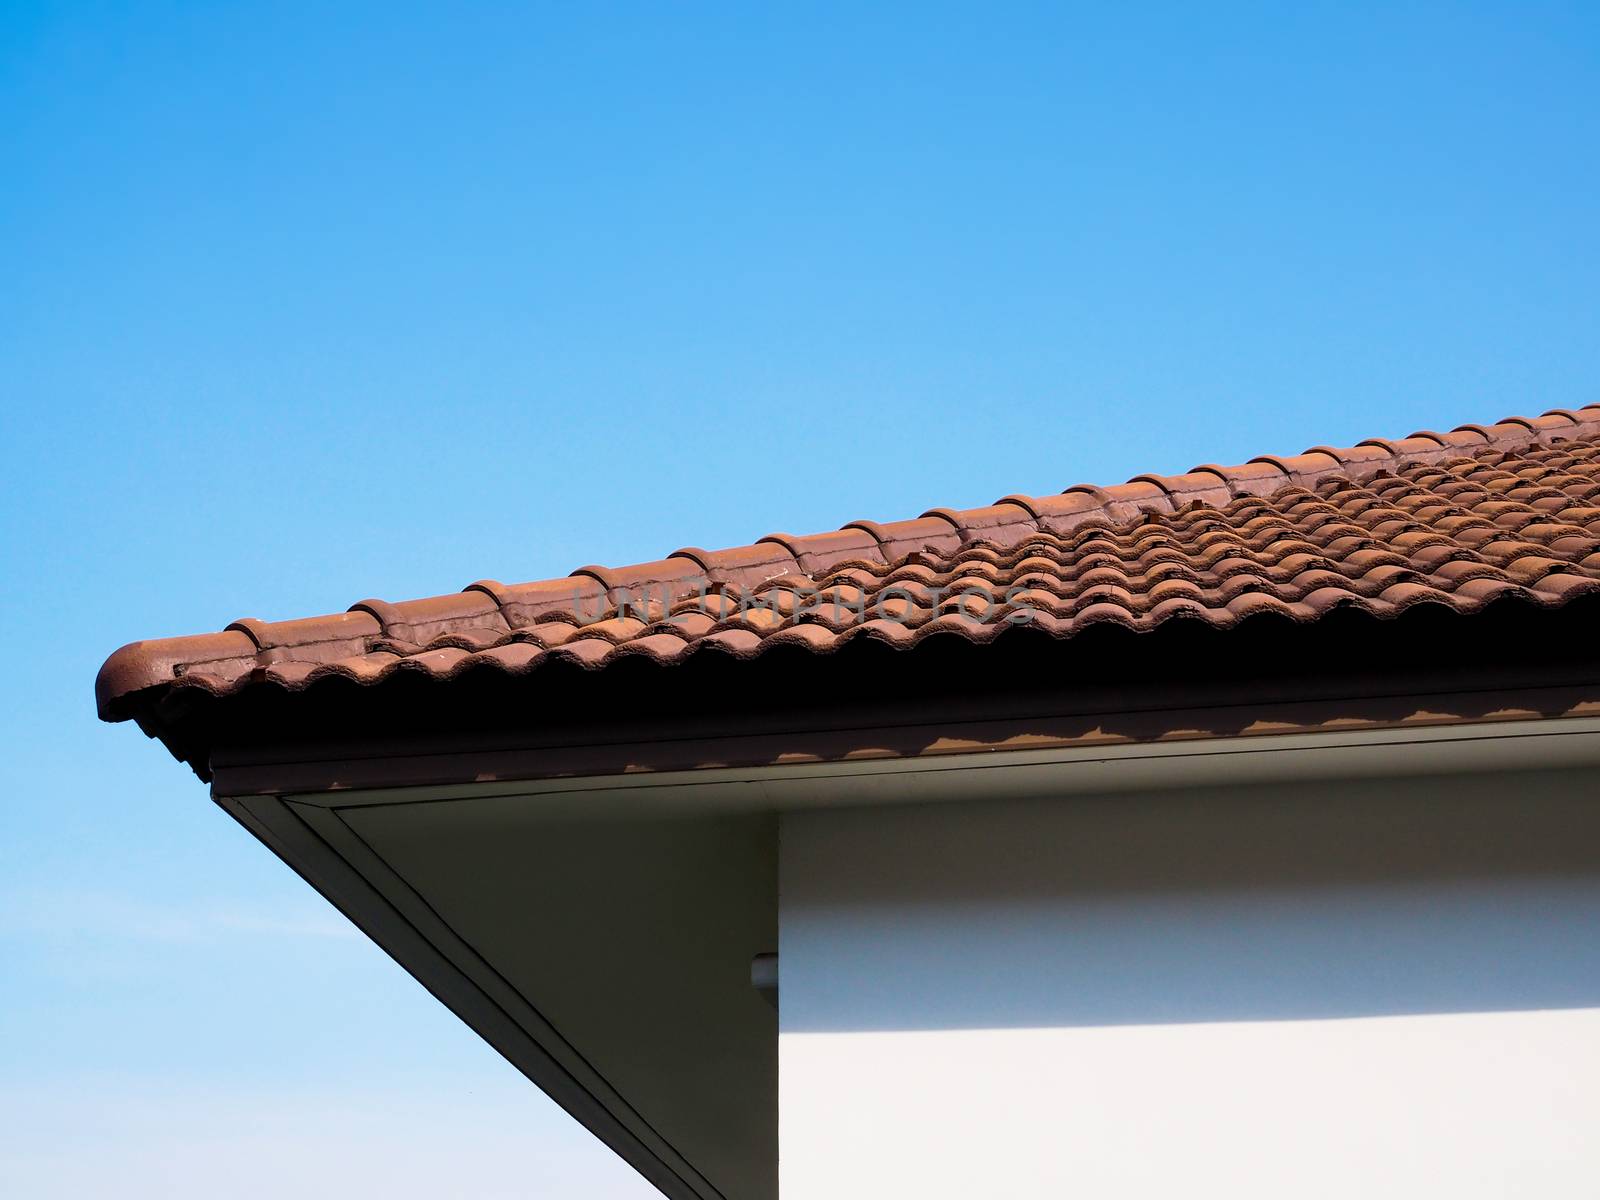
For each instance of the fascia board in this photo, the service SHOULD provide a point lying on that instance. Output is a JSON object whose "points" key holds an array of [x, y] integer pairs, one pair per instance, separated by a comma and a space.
{"points": [[1027, 774]]}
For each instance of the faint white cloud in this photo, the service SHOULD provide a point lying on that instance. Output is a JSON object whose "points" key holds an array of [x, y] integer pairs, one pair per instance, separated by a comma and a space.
{"points": [[57, 915], [146, 1139]]}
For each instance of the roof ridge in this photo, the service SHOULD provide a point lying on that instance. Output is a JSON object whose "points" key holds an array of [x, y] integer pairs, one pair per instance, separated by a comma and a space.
{"points": [[650, 589]]}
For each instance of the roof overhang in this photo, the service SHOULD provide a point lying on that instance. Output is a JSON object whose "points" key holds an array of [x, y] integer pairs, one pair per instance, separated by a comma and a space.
{"points": [[598, 931]]}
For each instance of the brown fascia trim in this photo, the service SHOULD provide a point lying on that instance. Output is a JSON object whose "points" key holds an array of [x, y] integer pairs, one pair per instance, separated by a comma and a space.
{"points": [[403, 765], [1107, 686]]}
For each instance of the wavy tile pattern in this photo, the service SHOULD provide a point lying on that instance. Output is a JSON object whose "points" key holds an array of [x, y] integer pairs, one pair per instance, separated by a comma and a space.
{"points": [[1460, 519]]}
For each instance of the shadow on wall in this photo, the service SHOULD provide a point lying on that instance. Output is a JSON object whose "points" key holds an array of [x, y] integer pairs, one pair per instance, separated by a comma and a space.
{"points": [[1463, 894]]}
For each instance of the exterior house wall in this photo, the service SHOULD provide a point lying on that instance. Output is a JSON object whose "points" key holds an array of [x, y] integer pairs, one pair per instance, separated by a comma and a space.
{"points": [[1379, 988]]}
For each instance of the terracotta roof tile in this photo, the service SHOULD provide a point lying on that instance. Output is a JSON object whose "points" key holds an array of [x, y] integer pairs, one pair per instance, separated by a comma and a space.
{"points": [[1459, 519], [817, 553]]}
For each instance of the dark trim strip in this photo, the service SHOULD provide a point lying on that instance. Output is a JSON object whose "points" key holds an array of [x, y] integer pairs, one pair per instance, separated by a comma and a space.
{"points": [[427, 762]]}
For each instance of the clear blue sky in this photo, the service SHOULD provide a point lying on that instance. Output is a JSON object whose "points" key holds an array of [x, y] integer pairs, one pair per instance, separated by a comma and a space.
{"points": [[301, 305]]}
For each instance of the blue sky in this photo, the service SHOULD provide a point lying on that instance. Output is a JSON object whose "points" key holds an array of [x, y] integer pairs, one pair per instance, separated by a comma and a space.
{"points": [[301, 306]]}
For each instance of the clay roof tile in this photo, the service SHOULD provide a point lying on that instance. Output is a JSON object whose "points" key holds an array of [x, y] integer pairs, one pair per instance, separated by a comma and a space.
{"points": [[1452, 519]]}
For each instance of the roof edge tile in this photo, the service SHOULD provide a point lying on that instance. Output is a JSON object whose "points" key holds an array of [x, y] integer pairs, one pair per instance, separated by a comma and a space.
{"points": [[147, 664]]}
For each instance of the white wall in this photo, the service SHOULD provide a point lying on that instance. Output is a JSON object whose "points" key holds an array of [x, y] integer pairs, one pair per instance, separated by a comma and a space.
{"points": [[1332, 990]]}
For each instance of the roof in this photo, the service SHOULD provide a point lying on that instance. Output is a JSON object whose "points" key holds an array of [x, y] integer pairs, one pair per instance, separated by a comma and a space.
{"points": [[1458, 519]]}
